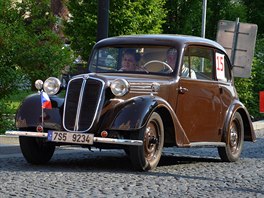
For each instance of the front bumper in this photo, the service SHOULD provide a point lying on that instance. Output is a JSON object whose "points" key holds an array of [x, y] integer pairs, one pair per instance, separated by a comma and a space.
{"points": [[95, 139]]}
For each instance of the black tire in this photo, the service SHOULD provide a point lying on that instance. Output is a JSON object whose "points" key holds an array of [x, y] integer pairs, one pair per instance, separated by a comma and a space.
{"points": [[36, 150], [234, 140], [127, 151], [147, 156]]}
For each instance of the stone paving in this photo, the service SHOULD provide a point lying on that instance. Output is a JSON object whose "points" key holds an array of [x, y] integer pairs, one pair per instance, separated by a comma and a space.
{"points": [[77, 172]]}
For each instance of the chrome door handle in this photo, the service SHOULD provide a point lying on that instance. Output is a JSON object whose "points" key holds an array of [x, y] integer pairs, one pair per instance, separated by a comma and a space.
{"points": [[183, 90]]}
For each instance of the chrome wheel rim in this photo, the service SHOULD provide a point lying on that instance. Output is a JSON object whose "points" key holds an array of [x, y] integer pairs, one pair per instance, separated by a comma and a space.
{"points": [[151, 140], [234, 136]]}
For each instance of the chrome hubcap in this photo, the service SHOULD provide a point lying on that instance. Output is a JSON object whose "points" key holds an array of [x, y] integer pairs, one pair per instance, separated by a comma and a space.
{"points": [[151, 141], [233, 137]]}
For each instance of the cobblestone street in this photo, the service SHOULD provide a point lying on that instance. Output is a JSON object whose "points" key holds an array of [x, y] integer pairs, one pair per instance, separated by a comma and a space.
{"points": [[77, 172]]}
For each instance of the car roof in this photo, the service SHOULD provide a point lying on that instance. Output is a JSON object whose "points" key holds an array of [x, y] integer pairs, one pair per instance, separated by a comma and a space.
{"points": [[158, 39]]}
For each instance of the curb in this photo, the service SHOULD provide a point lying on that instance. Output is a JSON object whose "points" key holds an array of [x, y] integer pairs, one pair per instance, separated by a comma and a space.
{"points": [[9, 140], [258, 125], [13, 140]]}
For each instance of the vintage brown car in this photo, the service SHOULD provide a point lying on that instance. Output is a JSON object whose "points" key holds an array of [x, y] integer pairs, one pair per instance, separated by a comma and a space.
{"points": [[140, 93]]}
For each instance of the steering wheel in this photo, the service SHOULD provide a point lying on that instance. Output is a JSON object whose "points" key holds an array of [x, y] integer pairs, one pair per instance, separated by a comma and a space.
{"points": [[163, 65]]}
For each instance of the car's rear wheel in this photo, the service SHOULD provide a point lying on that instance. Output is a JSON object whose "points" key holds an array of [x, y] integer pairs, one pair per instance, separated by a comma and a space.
{"points": [[147, 156], [234, 140], [36, 150]]}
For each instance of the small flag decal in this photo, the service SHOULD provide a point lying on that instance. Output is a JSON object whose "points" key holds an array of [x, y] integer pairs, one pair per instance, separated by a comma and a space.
{"points": [[45, 101]]}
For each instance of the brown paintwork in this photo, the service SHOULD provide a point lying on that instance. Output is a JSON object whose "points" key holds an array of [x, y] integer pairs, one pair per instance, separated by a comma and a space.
{"points": [[199, 114], [199, 110], [193, 110]]}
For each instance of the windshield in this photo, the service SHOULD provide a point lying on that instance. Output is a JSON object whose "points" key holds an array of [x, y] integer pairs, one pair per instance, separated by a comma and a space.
{"points": [[126, 59]]}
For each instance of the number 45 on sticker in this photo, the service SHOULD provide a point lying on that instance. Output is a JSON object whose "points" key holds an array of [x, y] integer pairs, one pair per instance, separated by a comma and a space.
{"points": [[220, 65]]}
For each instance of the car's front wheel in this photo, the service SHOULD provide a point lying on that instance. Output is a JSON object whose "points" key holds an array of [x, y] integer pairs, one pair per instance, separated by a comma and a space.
{"points": [[147, 156], [234, 140], [36, 150]]}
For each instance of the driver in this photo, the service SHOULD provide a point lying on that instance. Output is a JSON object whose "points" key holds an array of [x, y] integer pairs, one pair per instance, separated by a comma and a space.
{"points": [[129, 60]]}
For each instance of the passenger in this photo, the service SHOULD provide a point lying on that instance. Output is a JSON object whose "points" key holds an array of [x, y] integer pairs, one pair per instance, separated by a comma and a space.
{"points": [[185, 72], [171, 57], [171, 60]]}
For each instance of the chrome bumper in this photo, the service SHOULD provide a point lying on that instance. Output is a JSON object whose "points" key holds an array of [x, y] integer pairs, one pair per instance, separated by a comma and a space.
{"points": [[95, 139]]}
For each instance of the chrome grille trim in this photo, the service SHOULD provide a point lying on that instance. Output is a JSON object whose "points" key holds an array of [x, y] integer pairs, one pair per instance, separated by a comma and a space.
{"points": [[142, 88], [76, 125], [84, 78]]}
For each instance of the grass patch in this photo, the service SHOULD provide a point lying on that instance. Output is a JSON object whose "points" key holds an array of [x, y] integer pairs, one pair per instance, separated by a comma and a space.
{"points": [[13, 101], [8, 108]]}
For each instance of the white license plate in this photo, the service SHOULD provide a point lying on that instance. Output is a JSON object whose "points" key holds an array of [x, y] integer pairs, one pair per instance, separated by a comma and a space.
{"points": [[76, 138]]}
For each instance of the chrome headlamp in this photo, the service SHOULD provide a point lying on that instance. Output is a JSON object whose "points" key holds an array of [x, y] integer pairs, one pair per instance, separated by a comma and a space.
{"points": [[52, 85], [119, 87], [38, 84]]}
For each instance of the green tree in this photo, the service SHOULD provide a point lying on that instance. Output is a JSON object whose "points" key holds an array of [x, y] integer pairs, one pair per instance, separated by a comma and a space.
{"points": [[255, 14], [10, 74], [248, 89], [125, 17], [30, 42], [223, 10], [10, 30], [28, 46], [184, 17], [41, 52]]}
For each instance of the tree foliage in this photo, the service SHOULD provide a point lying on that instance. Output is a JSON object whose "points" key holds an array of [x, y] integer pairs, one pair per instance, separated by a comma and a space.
{"points": [[254, 13], [42, 52], [185, 17], [28, 46], [35, 48], [222, 10], [10, 31], [249, 89], [125, 17]]}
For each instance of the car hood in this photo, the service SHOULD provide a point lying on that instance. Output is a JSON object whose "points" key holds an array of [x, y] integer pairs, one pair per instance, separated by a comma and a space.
{"points": [[131, 78]]}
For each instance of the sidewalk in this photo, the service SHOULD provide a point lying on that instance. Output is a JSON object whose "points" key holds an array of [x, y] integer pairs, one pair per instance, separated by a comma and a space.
{"points": [[8, 140], [13, 140], [258, 125]]}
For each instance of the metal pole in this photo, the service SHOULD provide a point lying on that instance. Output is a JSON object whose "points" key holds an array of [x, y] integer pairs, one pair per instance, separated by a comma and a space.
{"points": [[204, 18], [42, 111], [102, 19], [234, 44]]}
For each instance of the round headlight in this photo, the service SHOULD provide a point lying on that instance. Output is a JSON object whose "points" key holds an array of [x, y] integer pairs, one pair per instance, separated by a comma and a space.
{"points": [[119, 87], [52, 85], [38, 84]]}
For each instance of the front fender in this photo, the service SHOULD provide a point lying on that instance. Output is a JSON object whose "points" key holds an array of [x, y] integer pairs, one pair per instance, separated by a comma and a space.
{"points": [[133, 113], [29, 114]]}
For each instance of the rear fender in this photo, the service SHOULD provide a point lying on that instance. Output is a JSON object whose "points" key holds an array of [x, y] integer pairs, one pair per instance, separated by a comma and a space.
{"points": [[249, 133], [29, 114]]}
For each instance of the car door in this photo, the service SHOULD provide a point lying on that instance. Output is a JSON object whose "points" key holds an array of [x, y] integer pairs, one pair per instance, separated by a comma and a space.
{"points": [[199, 108]]}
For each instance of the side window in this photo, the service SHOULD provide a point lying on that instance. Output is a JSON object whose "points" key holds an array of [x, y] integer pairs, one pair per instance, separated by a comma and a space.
{"points": [[198, 63]]}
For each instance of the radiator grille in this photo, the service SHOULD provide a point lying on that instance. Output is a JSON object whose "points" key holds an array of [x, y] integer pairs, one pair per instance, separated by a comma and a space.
{"points": [[81, 103]]}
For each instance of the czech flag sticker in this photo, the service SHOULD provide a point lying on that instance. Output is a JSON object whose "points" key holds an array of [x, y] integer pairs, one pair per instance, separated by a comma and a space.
{"points": [[45, 101]]}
